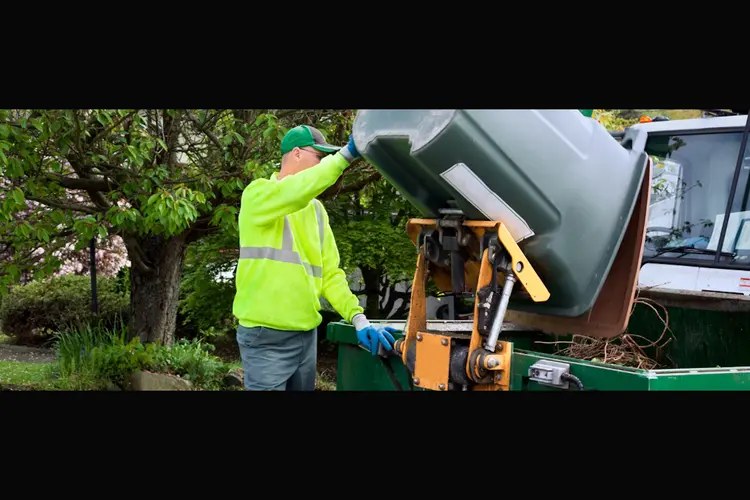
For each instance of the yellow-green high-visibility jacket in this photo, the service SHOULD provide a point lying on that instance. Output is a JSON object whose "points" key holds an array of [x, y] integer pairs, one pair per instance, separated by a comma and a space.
{"points": [[288, 255]]}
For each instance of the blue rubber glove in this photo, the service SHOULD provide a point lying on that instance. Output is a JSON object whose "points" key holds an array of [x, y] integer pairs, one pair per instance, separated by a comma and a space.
{"points": [[352, 148], [372, 336]]}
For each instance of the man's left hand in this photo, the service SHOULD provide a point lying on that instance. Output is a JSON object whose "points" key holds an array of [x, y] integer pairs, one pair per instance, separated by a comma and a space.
{"points": [[353, 148]]}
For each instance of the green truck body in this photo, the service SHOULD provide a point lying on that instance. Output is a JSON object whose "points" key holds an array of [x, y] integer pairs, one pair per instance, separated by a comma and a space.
{"points": [[358, 370]]}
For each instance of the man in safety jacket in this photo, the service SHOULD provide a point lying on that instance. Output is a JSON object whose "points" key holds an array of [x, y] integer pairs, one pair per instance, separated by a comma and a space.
{"points": [[288, 259]]}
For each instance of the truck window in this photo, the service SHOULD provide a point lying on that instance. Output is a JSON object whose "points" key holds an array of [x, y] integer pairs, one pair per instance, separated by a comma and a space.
{"points": [[737, 238], [691, 184]]}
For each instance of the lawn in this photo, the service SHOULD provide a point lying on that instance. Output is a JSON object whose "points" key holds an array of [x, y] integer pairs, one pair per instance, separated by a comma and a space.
{"points": [[30, 376]]}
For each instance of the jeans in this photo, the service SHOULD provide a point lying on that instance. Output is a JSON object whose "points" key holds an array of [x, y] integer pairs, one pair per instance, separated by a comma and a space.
{"points": [[278, 360]]}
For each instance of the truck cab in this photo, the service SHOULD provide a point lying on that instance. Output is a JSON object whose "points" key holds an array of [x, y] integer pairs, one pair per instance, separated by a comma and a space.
{"points": [[698, 232]]}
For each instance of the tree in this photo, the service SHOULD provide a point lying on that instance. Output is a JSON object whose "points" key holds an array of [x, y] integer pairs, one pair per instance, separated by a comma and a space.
{"points": [[159, 179], [370, 230], [208, 285]]}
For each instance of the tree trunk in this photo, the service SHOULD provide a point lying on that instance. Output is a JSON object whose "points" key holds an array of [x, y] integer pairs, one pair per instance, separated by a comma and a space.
{"points": [[371, 278], [393, 296], [155, 286]]}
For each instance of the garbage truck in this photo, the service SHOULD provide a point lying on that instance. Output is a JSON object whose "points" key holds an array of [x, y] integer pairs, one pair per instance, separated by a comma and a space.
{"points": [[595, 260]]}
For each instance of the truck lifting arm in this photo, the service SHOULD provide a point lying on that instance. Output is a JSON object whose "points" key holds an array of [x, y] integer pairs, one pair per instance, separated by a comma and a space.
{"points": [[456, 253]]}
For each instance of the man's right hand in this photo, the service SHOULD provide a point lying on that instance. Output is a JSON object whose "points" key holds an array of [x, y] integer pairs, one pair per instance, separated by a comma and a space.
{"points": [[371, 337]]}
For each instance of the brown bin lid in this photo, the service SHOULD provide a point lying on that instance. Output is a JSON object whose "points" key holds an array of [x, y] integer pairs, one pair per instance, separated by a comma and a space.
{"points": [[611, 311]]}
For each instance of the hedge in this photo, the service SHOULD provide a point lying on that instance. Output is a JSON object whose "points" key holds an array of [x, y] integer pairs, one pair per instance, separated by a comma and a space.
{"points": [[32, 312]]}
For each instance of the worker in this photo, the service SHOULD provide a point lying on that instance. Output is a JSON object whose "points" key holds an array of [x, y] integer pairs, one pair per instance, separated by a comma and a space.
{"points": [[288, 259]]}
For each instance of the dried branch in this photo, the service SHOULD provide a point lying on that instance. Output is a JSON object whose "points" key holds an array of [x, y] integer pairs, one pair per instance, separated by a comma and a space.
{"points": [[622, 350]]}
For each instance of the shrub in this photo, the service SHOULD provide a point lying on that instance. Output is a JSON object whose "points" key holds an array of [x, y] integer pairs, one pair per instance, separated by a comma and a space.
{"points": [[31, 312], [206, 297], [206, 302], [191, 359], [90, 357], [116, 361]]}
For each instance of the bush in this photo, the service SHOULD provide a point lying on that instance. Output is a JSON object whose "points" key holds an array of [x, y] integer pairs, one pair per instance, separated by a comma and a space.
{"points": [[205, 298], [191, 359], [92, 357], [31, 312], [205, 302]]}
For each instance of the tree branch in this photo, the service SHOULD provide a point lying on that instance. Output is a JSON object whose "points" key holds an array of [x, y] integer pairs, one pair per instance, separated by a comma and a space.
{"points": [[111, 127], [64, 206], [81, 184], [338, 188], [200, 228], [208, 133], [136, 255]]}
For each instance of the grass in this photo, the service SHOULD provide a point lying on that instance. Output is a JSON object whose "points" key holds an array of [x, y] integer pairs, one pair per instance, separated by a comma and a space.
{"points": [[39, 376], [322, 384], [70, 371], [35, 376]]}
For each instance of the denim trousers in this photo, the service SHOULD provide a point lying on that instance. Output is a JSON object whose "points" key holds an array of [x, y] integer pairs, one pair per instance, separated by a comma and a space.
{"points": [[278, 360]]}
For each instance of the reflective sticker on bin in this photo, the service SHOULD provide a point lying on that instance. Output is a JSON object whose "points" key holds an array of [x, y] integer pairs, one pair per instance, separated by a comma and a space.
{"points": [[476, 192]]}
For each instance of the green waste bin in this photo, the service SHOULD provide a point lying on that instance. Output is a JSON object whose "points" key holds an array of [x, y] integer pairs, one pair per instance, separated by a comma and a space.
{"points": [[560, 183], [358, 370]]}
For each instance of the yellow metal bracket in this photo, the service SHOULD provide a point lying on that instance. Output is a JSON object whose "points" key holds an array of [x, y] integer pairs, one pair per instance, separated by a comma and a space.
{"points": [[521, 266], [432, 366]]}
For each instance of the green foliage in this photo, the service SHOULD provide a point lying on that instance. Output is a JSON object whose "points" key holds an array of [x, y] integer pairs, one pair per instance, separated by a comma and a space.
{"points": [[143, 172], [122, 281], [89, 356], [612, 120], [205, 298], [370, 230], [116, 361], [32, 311], [620, 119], [192, 360], [93, 356]]}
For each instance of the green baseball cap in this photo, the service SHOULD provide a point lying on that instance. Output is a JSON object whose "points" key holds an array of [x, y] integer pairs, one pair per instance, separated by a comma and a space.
{"points": [[304, 135]]}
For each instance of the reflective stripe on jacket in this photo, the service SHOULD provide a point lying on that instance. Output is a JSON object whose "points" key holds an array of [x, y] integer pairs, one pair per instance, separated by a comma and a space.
{"points": [[288, 254]]}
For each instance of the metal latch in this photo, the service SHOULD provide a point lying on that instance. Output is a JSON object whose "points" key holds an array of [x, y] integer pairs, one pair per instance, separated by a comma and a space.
{"points": [[550, 373]]}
